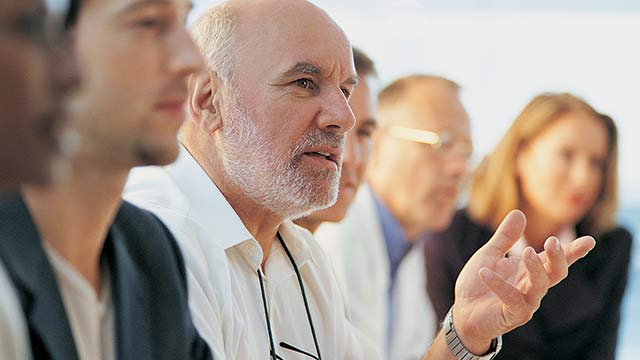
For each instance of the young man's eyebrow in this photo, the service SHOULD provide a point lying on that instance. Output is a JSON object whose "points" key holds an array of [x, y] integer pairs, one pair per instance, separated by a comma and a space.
{"points": [[188, 5], [354, 80], [371, 122]]}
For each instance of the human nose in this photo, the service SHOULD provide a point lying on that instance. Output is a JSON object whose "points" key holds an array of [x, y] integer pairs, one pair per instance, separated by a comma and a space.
{"points": [[65, 75], [186, 58], [457, 166], [336, 113], [582, 174]]}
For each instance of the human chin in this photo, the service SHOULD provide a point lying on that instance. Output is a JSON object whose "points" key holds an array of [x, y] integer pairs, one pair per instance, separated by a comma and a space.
{"points": [[155, 152]]}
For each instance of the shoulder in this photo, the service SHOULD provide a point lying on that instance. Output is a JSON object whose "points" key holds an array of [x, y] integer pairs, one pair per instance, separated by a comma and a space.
{"points": [[153, 189], [144, 234], [139, 221], [617, 239], [13, 212], [462, 232]]}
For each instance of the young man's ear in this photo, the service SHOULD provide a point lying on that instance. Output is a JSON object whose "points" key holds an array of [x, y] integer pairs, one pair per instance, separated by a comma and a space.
{"points": [[204, 101]]}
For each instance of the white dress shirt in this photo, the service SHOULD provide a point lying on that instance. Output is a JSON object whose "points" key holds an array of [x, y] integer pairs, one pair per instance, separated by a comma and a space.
{"points": [[14, 343], [356, 247], [223, 259], [91, 316]]}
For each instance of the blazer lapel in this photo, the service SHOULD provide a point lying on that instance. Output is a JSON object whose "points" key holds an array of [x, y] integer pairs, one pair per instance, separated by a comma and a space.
{"points": [[24, 257], [130, 292]]}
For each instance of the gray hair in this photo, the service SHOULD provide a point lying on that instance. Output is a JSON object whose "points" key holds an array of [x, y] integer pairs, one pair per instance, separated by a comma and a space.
{"points": [[213, 33]]}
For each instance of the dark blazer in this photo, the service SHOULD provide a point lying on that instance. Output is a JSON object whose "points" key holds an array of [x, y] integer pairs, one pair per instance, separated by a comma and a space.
{"points": [[148, 285], [578, 318]]}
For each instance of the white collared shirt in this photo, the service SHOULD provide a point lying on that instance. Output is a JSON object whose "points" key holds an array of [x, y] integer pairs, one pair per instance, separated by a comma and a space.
{"points": [[356, 246], [13, 330], [91, 316], [222, 261]]}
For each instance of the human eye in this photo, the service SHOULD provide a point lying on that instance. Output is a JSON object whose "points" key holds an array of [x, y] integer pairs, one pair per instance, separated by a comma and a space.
{"points": [[31, 25], [346, 92], [152, 23], [366, 131], [566, 154], [305, 84], [597, 163], [154, 18]]}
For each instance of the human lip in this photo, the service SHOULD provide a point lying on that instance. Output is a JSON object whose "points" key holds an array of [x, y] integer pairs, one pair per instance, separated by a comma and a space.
{"points": [[325, 155], [174, 107], [576, 199], [450, 192]]}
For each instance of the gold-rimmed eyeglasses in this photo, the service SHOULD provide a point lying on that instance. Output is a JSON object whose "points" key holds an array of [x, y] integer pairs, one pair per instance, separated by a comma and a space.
{"points": [[442, 141]]}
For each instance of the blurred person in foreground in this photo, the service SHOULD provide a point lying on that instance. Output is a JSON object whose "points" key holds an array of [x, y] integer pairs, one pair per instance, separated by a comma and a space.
{"points": [[99, 278], [263, 145], [558, 163], [34, 77], [419, 160]]}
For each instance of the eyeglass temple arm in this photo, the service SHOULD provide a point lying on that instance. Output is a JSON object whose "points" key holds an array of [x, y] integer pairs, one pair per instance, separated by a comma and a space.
{"points": [[293, 348], [421, 136]]}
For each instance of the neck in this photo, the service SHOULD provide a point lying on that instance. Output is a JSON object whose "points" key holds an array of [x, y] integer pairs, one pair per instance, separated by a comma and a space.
{"points": [[73, 216], [412, 231], [538, 229], [308, 223]]}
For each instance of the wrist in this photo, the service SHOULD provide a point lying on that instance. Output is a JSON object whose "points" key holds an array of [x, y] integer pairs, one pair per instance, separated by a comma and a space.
{"points": [[475, 344], [465, 346]]}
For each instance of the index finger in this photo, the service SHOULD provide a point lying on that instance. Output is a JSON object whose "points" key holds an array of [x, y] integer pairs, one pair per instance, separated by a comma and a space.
{"points": [[506, 235]]}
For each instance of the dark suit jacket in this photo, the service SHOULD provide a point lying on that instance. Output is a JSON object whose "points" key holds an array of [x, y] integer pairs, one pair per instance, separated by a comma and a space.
{"points": [[147, 280], [578, 318]]}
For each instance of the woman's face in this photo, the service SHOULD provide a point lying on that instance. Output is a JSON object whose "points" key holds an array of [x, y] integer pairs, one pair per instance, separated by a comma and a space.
{"points": [[561, 170], [29, 91], [357, 148]]}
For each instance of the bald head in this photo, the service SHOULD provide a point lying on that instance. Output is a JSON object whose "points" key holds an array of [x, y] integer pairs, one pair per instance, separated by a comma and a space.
{"points": [[238, 30], [438, 95]]}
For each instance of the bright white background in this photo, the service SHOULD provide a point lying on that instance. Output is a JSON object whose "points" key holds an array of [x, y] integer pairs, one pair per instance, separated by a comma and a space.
{"points": [[505, 52]]}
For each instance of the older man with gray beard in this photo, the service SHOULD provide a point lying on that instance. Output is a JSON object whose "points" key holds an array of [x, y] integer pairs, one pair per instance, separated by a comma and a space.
{"points": [[263, 145]]}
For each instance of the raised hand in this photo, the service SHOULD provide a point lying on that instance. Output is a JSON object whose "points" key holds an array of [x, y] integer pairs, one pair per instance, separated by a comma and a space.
{"points": [[495, 294]]}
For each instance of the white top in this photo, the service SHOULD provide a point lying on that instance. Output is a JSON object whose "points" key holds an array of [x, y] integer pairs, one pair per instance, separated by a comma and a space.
{"points": [[91, 317], [222, 260], [14, 342], [357, 249]]}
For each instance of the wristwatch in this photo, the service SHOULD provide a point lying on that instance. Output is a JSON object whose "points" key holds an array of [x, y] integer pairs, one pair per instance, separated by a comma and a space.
{"points": [[457, 347]]}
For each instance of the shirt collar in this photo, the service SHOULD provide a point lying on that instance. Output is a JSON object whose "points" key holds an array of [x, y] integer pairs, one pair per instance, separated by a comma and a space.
{"points": [[394, 235], [218, 217], [213, 211], [296, 242]]}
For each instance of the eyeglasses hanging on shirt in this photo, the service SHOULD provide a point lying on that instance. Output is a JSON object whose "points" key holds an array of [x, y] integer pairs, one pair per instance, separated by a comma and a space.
{"points": [[273, 354]]}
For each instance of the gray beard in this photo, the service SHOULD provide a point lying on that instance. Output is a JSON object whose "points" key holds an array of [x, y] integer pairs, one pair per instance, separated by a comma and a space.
{"points": [[275, 182]]}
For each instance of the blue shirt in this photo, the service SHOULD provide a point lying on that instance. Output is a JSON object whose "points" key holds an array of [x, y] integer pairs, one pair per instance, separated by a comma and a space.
{"points": [[397, 247]]}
